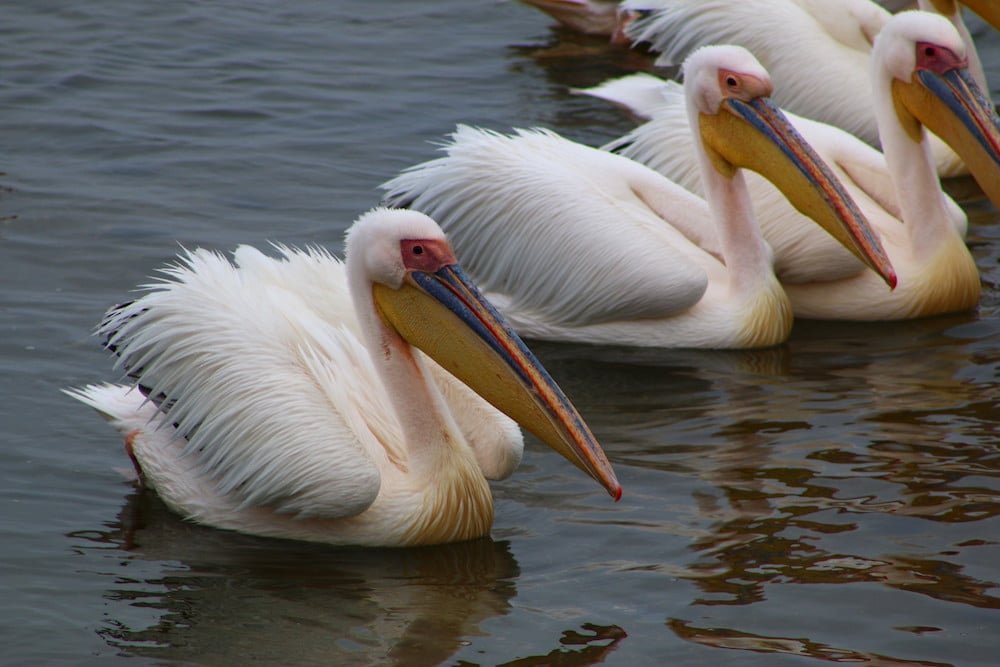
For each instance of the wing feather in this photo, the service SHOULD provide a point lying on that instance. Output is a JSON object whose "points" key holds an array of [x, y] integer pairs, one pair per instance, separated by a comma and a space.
{"points": [[640, 94], [853, 23], [559, 232], [279, 404]]}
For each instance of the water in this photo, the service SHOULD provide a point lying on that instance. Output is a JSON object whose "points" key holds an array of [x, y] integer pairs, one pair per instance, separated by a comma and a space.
{"points": [[834, 499]]}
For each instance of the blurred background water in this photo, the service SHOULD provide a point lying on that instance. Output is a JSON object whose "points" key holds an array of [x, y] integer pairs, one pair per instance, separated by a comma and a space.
{"points": [[831, 500]]}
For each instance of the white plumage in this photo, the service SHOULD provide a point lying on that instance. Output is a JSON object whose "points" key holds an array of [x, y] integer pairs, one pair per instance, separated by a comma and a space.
{"points": [[291, 406], [518, 205], [820, 277], [577, 244]]}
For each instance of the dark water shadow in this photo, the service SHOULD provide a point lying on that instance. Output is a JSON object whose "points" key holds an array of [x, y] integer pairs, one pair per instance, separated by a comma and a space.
{"points": [[572, 59], [807, 454], [564, 60], [728, 638], [212, 597], [578, 649], [224, 598]]}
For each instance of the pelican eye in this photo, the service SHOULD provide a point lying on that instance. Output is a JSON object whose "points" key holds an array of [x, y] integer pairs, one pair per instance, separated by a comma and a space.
{"points": [[929, 51], [731, 81], [427, 255]]}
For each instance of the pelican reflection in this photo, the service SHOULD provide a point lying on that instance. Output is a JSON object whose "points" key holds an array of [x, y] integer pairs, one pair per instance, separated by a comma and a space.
{"points": [[220, 597]]}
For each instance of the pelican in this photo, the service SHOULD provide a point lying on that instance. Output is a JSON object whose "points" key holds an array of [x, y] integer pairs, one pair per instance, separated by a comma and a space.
{"points": [[577, 244], [814, 49], [282, 397], [921, 228]]}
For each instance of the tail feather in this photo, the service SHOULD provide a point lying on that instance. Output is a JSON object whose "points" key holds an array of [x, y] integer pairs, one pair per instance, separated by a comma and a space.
{"points": [[127, 410]]}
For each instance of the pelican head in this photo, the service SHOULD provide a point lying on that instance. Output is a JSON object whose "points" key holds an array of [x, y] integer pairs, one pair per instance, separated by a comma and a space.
{"points": [[421, 294], [932, 87], [740, 126]]}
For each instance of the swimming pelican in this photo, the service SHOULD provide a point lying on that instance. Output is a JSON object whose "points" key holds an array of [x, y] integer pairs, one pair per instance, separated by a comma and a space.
{"points": [[921, 228], [800, 42], [576, 244], [285, 399]]}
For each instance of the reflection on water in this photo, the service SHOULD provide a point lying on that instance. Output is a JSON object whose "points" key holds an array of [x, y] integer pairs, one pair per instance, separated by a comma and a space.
{"points": [[233, 599], [827, 461], [574, 60], [596, 643], [743, 641], [569, 60]]}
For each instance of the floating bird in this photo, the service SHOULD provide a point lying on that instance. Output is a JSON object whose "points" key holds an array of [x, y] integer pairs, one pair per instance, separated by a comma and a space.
{"points": [[577, 244], [921, 228], [292, 397], [817, 51]]}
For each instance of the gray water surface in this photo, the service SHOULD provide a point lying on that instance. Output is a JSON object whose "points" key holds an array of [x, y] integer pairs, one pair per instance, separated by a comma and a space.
{"points": [[831, 500]]}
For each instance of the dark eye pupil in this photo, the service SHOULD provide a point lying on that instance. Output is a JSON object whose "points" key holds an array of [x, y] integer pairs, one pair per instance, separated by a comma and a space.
{"points": [[418, 250], [731, 81], [929, 51]]}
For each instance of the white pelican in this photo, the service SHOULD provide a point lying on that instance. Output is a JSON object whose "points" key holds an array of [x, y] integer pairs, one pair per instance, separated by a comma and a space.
{"points": [[936, 272], [290, 403], [576, 244], [815, 50]]}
